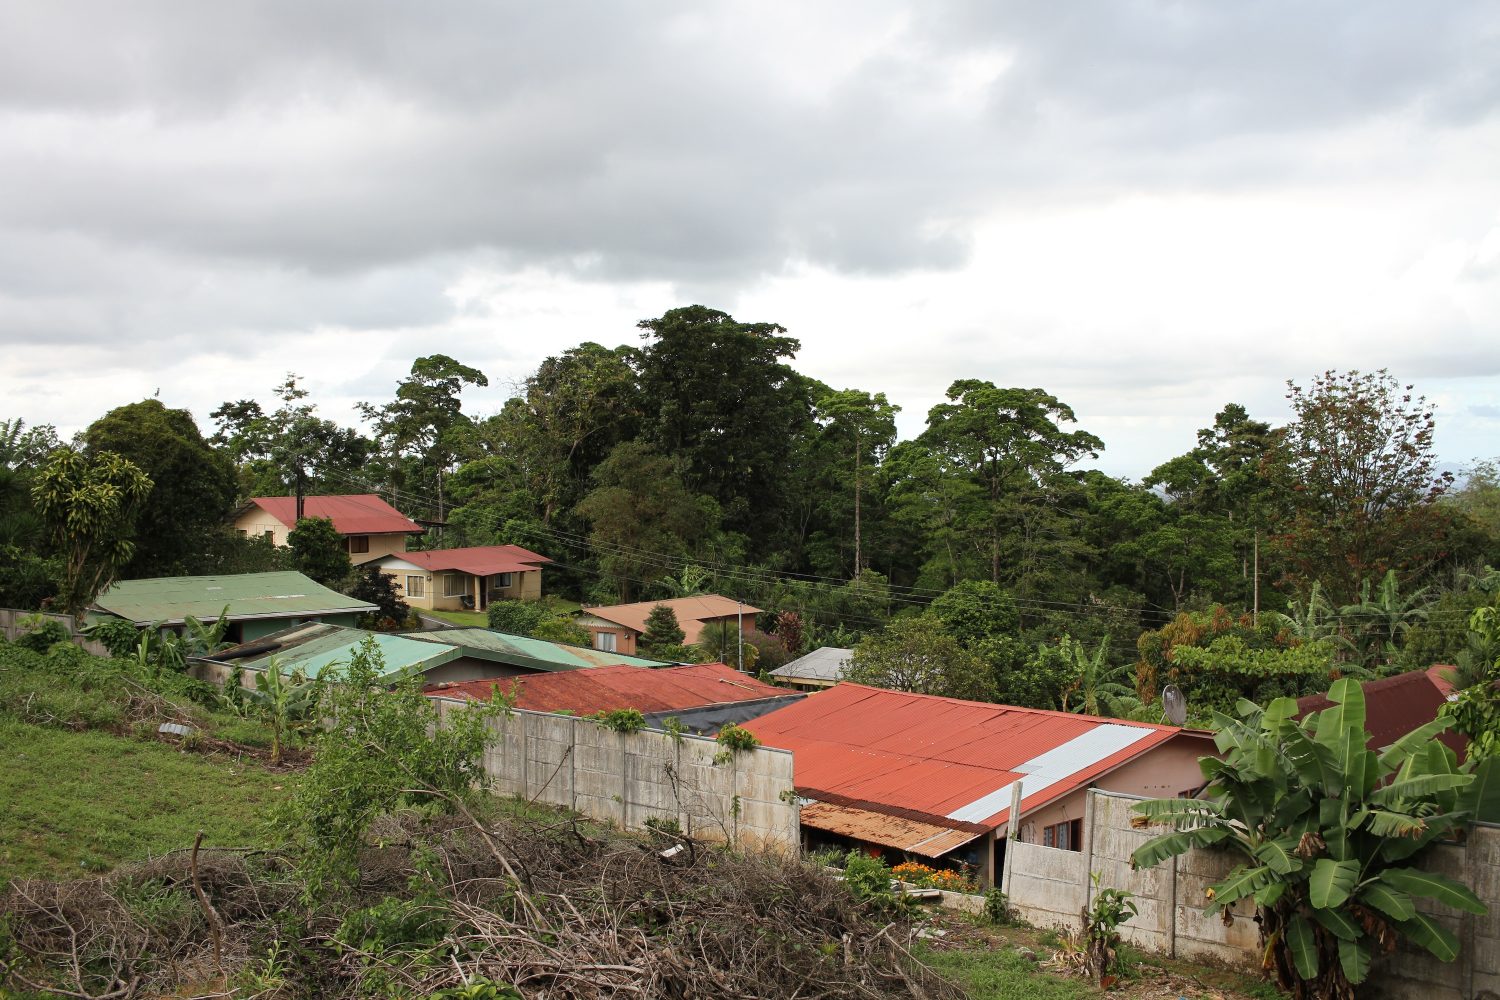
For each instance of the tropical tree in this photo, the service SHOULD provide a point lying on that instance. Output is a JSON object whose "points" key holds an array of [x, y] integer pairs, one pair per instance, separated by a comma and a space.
{"points": [[1097, 688], [1358, 483], [89, 504], [273, 451], [1330, 835], [1376, 625], [1476, 710], [863, 426], [917, 654], [723, 641], [193, 483], [286, 702], [319, 551]]}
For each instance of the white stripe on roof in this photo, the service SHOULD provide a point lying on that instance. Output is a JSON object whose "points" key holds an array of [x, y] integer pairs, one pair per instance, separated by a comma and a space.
{"points": [[1057, 764]]}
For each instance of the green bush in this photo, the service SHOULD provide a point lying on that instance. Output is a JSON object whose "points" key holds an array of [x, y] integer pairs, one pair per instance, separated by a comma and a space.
{"points": [[115, 634], [515, 617], [621, 720], [42, 638]]}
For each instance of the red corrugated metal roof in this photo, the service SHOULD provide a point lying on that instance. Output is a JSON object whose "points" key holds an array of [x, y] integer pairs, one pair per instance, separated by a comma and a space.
{"points": [[360, 514], [1394, 706], [929, 757], [478, 560], [605, 689]]}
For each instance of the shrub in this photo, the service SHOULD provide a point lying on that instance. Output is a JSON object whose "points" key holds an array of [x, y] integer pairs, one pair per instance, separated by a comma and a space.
{"points": [[515, 617], [927, 877], [621, 720], [44, 636], [1101, 927], [997, 908], [115, 634]]}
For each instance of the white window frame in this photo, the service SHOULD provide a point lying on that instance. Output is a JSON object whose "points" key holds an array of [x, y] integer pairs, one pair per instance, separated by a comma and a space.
{"points": [[606, 642], [455, 584]]}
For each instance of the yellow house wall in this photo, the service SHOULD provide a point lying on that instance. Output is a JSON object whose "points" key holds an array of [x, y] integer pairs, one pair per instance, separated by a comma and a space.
{"points": [[255, 522], [525, 587], [392, 544]]}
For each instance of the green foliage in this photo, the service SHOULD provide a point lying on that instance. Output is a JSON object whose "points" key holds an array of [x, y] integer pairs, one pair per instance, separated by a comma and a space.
{"points": [[621, 720], [870, 880], [43, 635], [115, 634], [515, 617], [382, 749], [380, 589], [288, 705], [1476, 711], [90, 505], [561, 628], [917, 654], [193, 483], [478, 988], [1102, 918], [661, 631], [395, 924], [723, 642], [997, 909], [737, 739], [319, 552], [1327, 829], [1358, 483], [271, 448]]}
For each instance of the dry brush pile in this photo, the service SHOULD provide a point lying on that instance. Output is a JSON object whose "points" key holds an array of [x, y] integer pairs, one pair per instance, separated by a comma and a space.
{"points": [[515, 907]]}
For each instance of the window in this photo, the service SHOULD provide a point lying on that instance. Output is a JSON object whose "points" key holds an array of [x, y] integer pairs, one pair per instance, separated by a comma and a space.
{"points": [[271, 537], [244, 533], [359, 544], [455, 585], [502, 580], [416, 586], [1066, 836], [604, 641]]}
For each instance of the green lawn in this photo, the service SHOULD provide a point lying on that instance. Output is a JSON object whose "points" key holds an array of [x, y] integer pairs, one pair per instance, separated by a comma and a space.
{"points": [[1002, 974], [478, 619], [76, 802]]}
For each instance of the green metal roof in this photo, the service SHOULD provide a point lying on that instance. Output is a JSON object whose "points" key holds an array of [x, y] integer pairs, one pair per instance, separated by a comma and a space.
{"points": [[247, 595], [316, 648], [524, 651]]}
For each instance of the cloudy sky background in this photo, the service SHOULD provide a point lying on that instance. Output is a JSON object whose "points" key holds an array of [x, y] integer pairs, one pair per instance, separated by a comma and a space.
{"points": [[1148, 209]]}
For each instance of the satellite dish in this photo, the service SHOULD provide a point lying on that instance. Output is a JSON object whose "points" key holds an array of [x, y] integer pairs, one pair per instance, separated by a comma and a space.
{"points": [[1174, 705]]}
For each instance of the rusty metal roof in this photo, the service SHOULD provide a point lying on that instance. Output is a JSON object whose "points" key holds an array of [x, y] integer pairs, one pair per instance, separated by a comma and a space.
{"points": [[1396, 705], [942, 760], [605, 689], [910, 835]]}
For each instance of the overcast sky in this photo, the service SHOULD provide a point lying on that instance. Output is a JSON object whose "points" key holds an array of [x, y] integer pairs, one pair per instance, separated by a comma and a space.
{"points": [[1148, 209]]}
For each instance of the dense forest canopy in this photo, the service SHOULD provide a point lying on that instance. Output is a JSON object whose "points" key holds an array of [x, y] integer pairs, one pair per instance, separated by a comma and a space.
{"points": [[697, 458]]}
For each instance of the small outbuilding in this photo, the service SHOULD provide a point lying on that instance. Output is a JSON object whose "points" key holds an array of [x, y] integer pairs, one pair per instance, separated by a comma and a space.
{"points": [[822, 668]]}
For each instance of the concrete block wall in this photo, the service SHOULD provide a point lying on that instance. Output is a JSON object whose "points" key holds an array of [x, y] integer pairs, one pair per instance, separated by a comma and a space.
{"points": [[14, 623], [629, 778], [1050, 888]]}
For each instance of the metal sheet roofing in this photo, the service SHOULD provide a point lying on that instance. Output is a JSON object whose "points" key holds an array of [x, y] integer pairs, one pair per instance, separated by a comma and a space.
{"points": [[357, 514], [479, 560], [524, 651], [605, 689], [316, 649], [942, 760], [825, 664], [691, 613], [909, 835], [1396, 705], [245, 595]]}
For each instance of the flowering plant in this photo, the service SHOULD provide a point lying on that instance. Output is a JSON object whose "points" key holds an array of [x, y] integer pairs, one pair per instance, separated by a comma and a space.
{"points": [[927, 877]]}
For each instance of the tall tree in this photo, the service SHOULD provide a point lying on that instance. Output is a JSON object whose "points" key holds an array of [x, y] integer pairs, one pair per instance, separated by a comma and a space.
{"points": [[917, 654], [862, 426], [1012, 445], [1359, 483], [425, 423], [716, 394], [642, 518], [318, 551], [271, 450], [90, 504], [193, 487]]}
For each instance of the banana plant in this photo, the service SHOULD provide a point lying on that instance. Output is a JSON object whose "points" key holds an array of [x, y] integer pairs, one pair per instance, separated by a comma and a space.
{"points": [[1330, 834], [1097, 688], [287, 702], [206, 638]]}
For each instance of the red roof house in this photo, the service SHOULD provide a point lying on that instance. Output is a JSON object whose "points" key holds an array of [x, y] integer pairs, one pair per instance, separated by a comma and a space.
{"points": [[370, 526], [618, 627], [702, 696], [924, 775], [468, 578], [1394, 706]]}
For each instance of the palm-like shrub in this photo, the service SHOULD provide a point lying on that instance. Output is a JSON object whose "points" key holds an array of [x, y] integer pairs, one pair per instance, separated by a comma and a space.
{"points": [[1330, 833]]}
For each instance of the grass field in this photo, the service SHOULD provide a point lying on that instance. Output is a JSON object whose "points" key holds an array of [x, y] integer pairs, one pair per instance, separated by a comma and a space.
{"points": [[79, 802]]}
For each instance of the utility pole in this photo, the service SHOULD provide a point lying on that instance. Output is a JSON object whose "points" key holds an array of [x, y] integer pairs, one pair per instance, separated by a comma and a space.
{"points": [[300, 498], [739, 634], [1255, 612]]}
